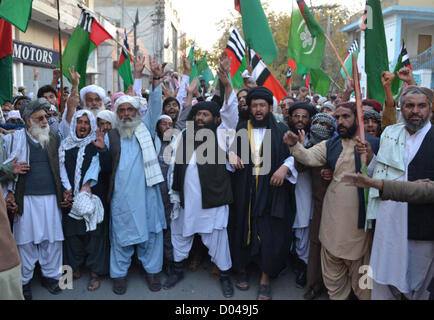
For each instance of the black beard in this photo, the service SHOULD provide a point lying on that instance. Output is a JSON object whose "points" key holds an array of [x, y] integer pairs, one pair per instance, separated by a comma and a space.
{"points": [[292, 127], [260, 123], [243, 114], [211, 125], [351, 131]]}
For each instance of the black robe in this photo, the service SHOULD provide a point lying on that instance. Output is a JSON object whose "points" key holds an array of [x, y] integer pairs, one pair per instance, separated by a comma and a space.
{"points": [[80, 246], [272, 210]]}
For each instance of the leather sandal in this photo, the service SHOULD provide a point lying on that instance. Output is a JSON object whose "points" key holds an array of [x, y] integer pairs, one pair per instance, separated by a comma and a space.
{"points": [[227, 287], [120, 285], [94, 283], [153, 281], [264, 291]]}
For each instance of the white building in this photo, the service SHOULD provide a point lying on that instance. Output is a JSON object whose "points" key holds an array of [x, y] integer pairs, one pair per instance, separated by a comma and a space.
{"points": [[408, 20], [157, 32]]}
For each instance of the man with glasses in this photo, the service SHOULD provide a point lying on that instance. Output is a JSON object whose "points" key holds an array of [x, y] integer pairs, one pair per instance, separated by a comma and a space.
{"points": [[35, 197], [300, 115]]}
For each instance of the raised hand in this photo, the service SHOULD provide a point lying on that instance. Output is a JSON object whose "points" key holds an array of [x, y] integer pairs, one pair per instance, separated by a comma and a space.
{"points": [[20, 167], [130, 91], [406, 75], [301, 137], [387, 78], [290, 138], [157, 69], [139, 65], [35, 74], [192, 87], [224, 69], [99, 142], [75, 77], [186, 64], [57, 74]]}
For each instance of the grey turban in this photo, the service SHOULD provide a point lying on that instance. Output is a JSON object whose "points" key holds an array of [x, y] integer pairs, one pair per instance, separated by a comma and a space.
{"points": [[30, 107], [371, 114]]}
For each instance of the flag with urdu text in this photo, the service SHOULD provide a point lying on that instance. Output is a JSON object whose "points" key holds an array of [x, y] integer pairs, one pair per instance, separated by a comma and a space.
{"points": [[86, 37], [16, 12], [306, 38], [6, 49], [257, 32], [124, 65], [376, 60], [348, 62], [403, 61]]}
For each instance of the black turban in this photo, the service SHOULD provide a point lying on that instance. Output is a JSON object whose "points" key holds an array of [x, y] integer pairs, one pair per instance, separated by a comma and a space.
{"points": [[303, 105], [210, 106], [259, 93]]}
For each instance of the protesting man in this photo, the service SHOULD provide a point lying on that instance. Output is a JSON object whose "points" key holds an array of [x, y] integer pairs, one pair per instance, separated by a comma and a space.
{"points": [[402, 258], [106, 120], [345, 244], [136, 207], [36, 197], [300, 115], [263, 213], [83, 243], [203, 183]]}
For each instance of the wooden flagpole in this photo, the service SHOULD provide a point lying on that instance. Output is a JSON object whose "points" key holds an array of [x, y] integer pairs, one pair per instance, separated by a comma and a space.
{"points": [[360, 123], [337, 56], [62, 103]]}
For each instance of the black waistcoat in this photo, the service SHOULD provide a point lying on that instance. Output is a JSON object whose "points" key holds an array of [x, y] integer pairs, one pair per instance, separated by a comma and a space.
{"points": [[421, 216], [215, 182]]}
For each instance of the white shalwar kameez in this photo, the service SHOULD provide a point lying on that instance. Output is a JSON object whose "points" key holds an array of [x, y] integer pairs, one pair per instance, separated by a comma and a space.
{"points": [[396, 261]]}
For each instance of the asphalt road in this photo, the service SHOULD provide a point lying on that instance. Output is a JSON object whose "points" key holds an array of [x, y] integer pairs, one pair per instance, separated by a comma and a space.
{"points": [[198, 285]]}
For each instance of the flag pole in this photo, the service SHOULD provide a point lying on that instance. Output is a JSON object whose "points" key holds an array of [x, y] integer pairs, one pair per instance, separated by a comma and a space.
{"points": [[62, 103], [308, 84], [360, 123], [337, 55]]}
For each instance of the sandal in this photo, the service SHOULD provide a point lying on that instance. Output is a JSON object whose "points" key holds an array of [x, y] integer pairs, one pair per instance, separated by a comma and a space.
{"points": [[243, 282], [264, 292], [94, 283]]}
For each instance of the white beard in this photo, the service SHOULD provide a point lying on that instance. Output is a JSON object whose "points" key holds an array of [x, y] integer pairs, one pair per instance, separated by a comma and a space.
{"points": [[40, 134], [96, 111], [126, 129]]}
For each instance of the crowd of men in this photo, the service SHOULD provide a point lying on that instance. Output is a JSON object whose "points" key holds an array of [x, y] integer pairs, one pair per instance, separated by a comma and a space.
{"points": [[260, 185]]}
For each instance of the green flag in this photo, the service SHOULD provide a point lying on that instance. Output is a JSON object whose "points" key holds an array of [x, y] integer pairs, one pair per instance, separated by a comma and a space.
{"points": [[194, 72], [306, 39], [86, 37], [17, 12], [376, 60], [204, 70], [348, 62], [320, 81], [257, 33]]}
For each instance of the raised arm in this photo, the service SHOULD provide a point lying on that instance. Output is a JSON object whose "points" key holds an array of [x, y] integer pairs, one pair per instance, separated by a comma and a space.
{"points": [[229, 110], [312, 157], [155, 104]]}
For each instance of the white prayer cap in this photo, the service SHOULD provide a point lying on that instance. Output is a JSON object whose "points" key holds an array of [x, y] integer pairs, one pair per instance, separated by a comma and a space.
{"points": [[136, 102], [165, 116], [322, 100], [14, 114], [94, 89], [107, 115]]}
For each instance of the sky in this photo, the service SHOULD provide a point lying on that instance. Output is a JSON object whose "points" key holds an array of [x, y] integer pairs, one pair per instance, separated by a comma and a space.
{"points": [[198, 18]]}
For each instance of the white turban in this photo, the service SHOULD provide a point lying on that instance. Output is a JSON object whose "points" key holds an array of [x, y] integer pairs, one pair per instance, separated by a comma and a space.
{"points": [[93, 89], [136, 102], [107, 115], [165, 116], [14, 114]]}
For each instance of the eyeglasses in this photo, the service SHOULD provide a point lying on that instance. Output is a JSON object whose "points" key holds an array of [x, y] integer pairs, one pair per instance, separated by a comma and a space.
{"points": [[40, 118], [303, 116]]}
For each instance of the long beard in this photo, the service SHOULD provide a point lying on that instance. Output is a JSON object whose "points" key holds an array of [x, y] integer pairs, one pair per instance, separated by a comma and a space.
{"points": [[260, 123], [40, 134], [96, 111], [126, 129], [211, 125], [243, 114]]}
